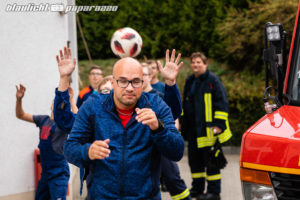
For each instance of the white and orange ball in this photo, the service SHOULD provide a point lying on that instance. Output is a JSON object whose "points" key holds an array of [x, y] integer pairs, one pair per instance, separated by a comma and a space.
{"points": [[126, 42]]}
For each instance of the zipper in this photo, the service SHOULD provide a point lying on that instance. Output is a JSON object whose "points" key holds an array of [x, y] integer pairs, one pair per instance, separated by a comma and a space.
{"points": [[123, 164], [132, 120], [123, 153]]}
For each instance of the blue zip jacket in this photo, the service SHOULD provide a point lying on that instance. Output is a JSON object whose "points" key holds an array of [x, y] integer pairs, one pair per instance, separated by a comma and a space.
{"points": [[65, 118], [132, 169]]}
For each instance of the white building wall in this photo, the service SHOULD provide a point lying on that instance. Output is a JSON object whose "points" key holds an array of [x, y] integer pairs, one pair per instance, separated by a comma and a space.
{"points": [[29, 42]]}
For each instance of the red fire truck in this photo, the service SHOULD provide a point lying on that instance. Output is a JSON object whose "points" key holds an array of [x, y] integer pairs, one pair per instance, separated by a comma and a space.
{"points": [[270, 149]]}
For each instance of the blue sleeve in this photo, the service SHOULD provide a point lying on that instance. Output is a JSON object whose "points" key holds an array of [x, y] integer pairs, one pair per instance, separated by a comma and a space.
{"points": [[79, 102], [38, 119], [168, 141], [80, 139], [63, 116], [173, 99]]}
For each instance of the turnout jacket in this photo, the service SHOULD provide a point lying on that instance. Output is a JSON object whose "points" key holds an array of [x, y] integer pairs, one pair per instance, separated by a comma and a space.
{"points": [[132, 169], [205, 105]]}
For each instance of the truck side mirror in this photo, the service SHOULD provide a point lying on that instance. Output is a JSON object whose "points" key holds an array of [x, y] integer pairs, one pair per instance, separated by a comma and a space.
{"points": [[275, 58]]}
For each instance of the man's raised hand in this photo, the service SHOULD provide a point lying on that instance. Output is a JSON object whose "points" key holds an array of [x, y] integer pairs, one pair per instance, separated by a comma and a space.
{"points": [[66, 64], [20, 92], [171, 69]]}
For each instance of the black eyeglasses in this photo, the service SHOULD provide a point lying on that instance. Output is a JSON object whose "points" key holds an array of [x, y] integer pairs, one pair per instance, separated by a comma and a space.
{"points": [[105, 91], [136, 83]]}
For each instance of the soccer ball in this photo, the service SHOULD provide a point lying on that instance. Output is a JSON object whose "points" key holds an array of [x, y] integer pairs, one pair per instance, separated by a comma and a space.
{"points": [[126, 42]]}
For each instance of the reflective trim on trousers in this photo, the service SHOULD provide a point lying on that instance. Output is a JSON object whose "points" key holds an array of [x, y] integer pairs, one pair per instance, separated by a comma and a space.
{"points": [[182, 195], [199, 175], [213, 177]]}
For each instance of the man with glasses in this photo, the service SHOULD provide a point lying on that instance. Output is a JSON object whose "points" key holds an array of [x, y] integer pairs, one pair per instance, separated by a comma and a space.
{"points": [[95, 77], [121, 136]]}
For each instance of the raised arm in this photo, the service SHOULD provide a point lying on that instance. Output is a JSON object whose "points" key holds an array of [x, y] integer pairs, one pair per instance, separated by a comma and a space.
{"points": [[169, 72], [66, 66], [19, 108], [74, 108], [63, 115]]}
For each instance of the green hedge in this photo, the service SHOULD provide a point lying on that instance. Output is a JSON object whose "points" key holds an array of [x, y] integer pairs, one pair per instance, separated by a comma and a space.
{"points": [[187, 25], [242, 32], [245, 96]]}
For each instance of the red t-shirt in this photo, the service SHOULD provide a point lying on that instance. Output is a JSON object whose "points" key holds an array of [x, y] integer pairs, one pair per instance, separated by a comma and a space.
{"points": [[124, 115]]}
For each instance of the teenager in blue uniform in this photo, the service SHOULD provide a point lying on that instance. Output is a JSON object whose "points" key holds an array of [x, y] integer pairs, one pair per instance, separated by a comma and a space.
{"points": [[169, 169], [55, 170]]}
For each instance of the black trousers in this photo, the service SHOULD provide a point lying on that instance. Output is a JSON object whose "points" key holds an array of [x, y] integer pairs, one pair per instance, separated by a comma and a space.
{"points": [[198, 158], [171, 177]]}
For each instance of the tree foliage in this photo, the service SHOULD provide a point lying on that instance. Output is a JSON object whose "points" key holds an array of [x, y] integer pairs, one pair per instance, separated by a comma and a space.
{"points": [[186, 25], [242, 32]]}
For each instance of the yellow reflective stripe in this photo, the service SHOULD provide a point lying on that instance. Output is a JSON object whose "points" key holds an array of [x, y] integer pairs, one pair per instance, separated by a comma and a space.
{"points": [[208, 107], [209, 132], [221, 115], [226, 135], [213, 177], [205, 141], [208, 140], [199, 175], [182, 195], [217, 153]]}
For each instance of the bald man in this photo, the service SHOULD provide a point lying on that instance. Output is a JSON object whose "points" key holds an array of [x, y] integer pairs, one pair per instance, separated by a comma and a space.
{"points": [[120, 136]]}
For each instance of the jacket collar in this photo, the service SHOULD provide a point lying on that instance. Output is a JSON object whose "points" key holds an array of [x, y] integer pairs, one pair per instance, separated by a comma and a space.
{"points": [[91, 88], [203, 76]]}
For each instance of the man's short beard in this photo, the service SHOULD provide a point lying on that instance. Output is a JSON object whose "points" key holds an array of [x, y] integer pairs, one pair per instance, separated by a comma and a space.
{"points": [[126, 103]]}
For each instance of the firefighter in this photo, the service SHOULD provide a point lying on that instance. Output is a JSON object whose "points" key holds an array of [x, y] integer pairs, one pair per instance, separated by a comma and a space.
{"points": [[205, 117]]}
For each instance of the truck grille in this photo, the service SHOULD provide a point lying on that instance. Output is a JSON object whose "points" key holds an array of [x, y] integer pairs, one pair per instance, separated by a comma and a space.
{"points": [[287, 186]]}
